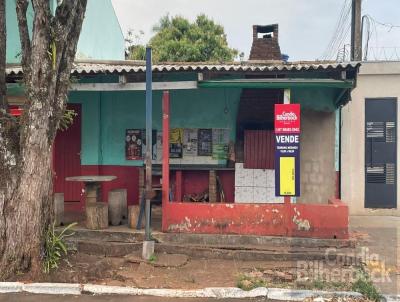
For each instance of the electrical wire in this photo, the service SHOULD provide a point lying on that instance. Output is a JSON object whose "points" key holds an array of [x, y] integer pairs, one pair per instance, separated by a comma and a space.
{"points": [[345, 10], [341, 32]]}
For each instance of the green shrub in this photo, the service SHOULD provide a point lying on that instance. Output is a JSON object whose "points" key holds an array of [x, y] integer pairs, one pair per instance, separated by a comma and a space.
{"points": [[153, 258], [55, 247], [366, 287]]}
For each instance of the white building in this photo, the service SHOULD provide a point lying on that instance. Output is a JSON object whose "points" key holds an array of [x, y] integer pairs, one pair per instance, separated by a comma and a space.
{"points": [[369, 142]]}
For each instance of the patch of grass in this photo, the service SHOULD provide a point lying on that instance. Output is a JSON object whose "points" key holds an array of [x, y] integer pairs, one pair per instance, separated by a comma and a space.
{"points": [[247, 283], [55, 247], [366, 287], [153, 258]]}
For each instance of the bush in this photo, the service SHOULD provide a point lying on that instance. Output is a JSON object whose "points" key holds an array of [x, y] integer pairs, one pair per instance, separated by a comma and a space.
{"points": [[55, 247], [365, 286]]}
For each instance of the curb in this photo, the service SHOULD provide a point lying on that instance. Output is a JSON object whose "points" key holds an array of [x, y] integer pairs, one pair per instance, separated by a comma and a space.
{"points": [[392, 298], [52, 288], [280, 294], [11, 287]]}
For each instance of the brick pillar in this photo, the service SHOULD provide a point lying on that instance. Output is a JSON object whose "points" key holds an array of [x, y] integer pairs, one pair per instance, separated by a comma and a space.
{"points": [[212, 186]]}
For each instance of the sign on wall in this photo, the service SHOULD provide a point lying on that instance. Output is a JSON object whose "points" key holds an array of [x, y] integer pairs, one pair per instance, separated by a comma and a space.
{"points": [[190, 142], [287, 149], [133, 144], [175, 142], [204, 142], [220, 141]]}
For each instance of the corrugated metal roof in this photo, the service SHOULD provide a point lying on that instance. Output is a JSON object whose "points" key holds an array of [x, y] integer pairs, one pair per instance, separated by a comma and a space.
{"points": [[121, 67]]}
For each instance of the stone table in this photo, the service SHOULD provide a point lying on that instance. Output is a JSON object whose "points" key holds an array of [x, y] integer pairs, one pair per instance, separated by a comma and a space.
{"points": [[92, 184]]}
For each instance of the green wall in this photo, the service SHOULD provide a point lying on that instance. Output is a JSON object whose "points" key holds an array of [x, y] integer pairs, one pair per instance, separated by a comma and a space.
{"points": [[106, 116], [101, 37], [13, 42]]}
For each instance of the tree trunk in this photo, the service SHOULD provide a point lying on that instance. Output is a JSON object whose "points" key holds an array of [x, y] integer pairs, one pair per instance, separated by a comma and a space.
{"points": [[26, 202], [3, 45]]}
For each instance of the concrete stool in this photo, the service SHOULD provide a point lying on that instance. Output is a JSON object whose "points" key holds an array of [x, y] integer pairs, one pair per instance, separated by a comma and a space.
{"points": [[97, 215], [58, 209], [115, 206], [124, 201]]}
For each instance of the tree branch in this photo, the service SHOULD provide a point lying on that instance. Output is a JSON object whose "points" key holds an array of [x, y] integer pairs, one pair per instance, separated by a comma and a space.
{"points": [[21, 8], [67, 27]]}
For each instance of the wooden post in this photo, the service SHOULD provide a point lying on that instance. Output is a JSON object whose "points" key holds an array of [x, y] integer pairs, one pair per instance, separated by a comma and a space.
{"points": [[165, 157], [212, 186]]}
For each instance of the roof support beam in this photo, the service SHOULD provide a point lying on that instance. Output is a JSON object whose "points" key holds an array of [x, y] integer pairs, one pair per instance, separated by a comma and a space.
{"points": [[133, 86], [276, 83]]}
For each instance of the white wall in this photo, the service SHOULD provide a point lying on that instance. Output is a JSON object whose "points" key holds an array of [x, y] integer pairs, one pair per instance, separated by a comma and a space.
{"points": [[375, 80]]}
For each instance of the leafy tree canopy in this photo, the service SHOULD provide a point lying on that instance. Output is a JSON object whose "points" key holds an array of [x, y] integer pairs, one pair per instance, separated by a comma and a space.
{"points": [[177, 39]]}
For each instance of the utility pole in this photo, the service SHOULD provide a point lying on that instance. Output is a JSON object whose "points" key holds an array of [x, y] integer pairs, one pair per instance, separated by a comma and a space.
{"points": [[148, 244], [356, 47]]}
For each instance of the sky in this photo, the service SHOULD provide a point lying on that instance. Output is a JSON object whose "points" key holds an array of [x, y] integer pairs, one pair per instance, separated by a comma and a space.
{"points": [[306, 27]]}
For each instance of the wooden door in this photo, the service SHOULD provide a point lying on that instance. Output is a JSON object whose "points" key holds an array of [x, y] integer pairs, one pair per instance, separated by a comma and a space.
{"points": [[67, 161]]}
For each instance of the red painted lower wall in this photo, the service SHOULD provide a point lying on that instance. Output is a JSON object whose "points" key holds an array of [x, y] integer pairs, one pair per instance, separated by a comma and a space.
{"points": [[297, 220]]}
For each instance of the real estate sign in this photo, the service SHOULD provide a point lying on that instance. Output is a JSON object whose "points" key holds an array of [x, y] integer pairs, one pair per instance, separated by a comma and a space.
{"points": [[287, 149]]}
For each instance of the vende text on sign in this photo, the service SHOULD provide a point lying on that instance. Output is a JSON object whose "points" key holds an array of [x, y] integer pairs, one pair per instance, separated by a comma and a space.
{"points": [[287, 150]]}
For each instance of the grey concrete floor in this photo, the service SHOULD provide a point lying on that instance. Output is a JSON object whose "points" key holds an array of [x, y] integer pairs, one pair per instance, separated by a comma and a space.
{"points": [[116, 298], [381, 236]]}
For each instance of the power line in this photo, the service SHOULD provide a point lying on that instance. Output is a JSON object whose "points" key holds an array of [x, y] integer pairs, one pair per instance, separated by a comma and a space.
{"points": [[339, 30]]}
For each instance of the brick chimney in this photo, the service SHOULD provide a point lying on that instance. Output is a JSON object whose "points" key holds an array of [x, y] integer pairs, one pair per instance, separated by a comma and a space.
{"points": [[265, 43]]}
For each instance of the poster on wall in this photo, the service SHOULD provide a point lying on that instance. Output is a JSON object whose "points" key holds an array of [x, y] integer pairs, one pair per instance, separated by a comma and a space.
{"points": [[154, 141], [287, 149], [220, 143], [190, 142], [133, 144], [204, 142], [175, 142]]}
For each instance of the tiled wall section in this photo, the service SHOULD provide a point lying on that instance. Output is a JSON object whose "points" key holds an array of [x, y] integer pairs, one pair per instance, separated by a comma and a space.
{"points": [[255, 185]]}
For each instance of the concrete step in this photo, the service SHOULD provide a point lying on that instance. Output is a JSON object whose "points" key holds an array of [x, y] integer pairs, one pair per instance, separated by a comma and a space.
{"points": [[108, 249], [119, 249], [114, 234], [251, 241], [124, 234], [276, 254]]}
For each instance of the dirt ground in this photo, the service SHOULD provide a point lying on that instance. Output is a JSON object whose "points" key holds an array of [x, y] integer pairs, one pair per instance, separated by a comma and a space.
{"points": [[171, 271]]}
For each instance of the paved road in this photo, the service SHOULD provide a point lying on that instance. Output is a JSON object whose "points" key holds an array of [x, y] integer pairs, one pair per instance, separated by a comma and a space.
{"points": [[383, 240], [87, 298]]}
